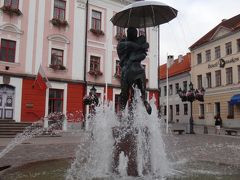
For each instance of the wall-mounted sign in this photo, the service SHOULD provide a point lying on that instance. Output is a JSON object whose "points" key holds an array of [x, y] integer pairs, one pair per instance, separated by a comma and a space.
{"points": [[221, 63], [6, 79]]}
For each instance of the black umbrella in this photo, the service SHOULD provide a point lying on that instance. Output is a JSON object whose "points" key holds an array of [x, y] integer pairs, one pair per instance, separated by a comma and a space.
{"points": [[144, 14]]}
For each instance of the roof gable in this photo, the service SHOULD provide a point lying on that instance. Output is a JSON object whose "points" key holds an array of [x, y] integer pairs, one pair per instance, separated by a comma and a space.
{"points": [[231, 24], [221, 31]]}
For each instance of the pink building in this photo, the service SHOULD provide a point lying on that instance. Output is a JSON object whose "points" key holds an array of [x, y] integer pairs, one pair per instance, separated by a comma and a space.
{"points": [[74, 42]]}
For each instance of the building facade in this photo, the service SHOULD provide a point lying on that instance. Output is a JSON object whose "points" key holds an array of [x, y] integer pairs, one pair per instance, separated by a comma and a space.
{"points": [[216, 67], [178, 77], [75, 43]]}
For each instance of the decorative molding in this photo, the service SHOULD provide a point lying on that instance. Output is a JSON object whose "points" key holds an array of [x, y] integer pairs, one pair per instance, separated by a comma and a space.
{"points": [[11, 28], [58, 38], [81, 4]]}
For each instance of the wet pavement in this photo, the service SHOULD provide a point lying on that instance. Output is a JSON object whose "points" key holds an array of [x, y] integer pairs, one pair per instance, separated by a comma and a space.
{"points": [[223, 149]]}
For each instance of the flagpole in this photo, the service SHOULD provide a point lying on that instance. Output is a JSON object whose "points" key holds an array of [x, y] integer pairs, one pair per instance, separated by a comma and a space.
{"points": [[106, 93], [167, 97]]}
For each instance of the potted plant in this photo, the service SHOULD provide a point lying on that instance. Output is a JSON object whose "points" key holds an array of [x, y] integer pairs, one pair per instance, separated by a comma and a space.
{"points": [[58, 22], [95, 73], [97, 32], [11, 11], [56, 67]]}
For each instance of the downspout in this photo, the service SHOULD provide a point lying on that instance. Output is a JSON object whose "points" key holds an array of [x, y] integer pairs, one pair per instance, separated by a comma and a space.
{"points": [[85, 62], [85, 53]]}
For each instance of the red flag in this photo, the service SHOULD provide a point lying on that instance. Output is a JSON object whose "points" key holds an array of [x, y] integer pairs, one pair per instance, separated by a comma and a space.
{"points": [[42, 79]]}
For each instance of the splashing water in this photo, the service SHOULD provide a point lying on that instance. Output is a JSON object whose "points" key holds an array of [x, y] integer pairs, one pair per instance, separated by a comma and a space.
{"points": [[95, 156], [31, 131]]}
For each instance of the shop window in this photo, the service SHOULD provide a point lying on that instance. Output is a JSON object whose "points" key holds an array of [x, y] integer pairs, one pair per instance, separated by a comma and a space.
{"points": [[218, 78], [185, 106], [230, 111], [59, 10], [202, 112], [217, 108], [55, 102], [209, 80], [177, 109], [117, 103], [238, 73], [96, 20], [229, 77], [228, 47], [199, 79], [199, 58], [208, 55], [217, 52], [8, 49]]}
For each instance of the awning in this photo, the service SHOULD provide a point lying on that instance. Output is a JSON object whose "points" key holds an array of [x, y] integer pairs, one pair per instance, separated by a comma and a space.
{"points": [[235, 99]]}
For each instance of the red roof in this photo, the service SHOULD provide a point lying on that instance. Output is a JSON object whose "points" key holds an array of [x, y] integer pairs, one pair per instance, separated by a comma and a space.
{"points": [[176, 68], [233, 24]]}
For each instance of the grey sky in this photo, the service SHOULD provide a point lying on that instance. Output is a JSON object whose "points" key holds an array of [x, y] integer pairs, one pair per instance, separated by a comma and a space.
{"points": [[195, 18]]}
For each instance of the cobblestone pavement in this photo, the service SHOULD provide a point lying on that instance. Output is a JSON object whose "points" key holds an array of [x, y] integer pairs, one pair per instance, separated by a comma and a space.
{"points": [[205, 147]]}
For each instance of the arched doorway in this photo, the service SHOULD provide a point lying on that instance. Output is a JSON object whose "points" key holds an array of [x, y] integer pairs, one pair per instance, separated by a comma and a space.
{"points": [[7, 93]]}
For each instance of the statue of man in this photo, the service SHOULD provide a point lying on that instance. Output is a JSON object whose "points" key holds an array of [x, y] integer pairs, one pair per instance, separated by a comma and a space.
{"points": [[131, 52]]}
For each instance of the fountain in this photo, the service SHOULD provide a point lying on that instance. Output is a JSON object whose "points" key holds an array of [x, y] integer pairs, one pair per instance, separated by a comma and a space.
{"points": [[97, 161]]}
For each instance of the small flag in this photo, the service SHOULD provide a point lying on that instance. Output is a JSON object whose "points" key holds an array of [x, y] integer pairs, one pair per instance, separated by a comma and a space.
{"points": [[170, 61], [42, 79]]}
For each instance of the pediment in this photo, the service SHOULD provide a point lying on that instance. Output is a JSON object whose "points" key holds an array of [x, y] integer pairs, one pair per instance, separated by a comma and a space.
{"points": [[58, 38], [11, 28], [221, 31]]}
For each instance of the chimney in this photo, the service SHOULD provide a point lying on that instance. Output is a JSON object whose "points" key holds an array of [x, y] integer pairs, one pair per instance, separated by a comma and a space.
{"points": [[180, 58]]}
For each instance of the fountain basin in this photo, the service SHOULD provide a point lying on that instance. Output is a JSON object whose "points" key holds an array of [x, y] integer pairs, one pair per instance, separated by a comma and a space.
{"points": [[56, 170]]}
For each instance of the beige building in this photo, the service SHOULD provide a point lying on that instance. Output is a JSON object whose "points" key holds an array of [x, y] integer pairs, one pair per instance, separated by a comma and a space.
{"points": [[215, 65]]}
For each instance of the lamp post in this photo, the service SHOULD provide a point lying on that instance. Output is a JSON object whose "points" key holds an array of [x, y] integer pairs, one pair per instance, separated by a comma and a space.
{"points": [[190, 96]]}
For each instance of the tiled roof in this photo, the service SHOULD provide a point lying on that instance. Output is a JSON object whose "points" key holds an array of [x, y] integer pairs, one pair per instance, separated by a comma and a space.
{"points": [[176, 68], [233, 24]]}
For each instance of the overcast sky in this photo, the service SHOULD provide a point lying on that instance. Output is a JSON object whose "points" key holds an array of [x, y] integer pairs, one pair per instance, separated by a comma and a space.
{"points": [[195, 18]]}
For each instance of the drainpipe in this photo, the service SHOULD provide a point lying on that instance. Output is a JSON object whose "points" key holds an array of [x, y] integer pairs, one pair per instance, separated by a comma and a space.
{"points": [[85, 60]]}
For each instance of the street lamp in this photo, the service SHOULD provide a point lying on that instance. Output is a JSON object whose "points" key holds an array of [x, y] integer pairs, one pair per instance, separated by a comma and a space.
{"points": [[190, 96], [93, 90]]}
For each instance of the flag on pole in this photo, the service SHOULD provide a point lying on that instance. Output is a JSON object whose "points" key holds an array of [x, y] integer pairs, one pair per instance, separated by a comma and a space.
{"points": [[42, 79], [170, 61]]}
